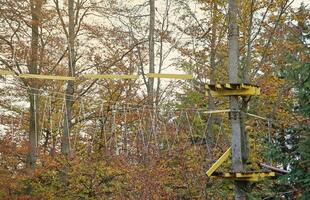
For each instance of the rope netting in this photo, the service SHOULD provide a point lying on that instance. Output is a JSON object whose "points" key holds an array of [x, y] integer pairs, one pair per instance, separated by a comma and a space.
{"points": [[121, 129]]}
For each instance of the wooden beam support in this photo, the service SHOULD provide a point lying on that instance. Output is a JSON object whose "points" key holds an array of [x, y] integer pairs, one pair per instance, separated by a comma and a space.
{"points": [[171, 76], [248, 92], [110, 76], [245, 176], [228, 89], [275, 169], [219, 162]]}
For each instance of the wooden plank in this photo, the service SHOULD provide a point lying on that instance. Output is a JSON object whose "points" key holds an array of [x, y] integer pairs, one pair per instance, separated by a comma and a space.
{"points": [[236, 92], [228, 86], [255, 175], [6, 72], [244, 86], [110, 76], [48, 77], [172, 76], [219, 162], [276, 169]]}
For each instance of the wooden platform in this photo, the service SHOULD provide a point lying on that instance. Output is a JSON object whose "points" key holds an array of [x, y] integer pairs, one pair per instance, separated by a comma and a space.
{"points": [[245, 176], [233, 89]]}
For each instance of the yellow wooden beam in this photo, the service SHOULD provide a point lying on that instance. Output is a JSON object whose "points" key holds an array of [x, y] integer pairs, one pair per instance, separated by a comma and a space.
{"points": [[6, 72], [172, 76], [228, 86], [247, 176], [236, 92], [219, 162], [49, 77], [244, 86], [255, 174], [110, 76]]}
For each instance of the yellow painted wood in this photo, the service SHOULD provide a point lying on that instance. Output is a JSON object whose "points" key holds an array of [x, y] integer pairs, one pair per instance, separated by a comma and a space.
{"points": [[219, 86], [48, 77], [228, 89], [227, 174], [236, 92], [172, 76], [257, 174], [219, 162], [110, 76], [251, 176], [6, 72], [228, 86], [243, 86]]}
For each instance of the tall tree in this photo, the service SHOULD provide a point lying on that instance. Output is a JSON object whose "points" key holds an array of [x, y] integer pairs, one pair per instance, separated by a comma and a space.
{"points": [[36, 6], [65, 145], [211, 103], [233, 64], [150, 87]]}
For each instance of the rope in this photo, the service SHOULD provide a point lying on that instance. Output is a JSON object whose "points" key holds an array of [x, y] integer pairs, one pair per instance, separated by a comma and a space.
{"points": [[256, 116], [216, 111]]}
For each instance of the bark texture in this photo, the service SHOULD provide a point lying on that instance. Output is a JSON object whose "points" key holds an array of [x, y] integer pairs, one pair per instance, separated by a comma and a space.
{"points": [[33, 93], [65, 145], [235, 117]]}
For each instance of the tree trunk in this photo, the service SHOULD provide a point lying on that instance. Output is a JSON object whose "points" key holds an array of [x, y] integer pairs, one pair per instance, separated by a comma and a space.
{"points": [[235, 118], [150, 87], [33, 93], [211, 104], [65, 145]]}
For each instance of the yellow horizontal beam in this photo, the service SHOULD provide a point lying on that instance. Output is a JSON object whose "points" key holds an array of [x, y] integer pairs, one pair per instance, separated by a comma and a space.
{"points": [[247, 176], [110, 76], [219, 162], [6, 72], [236, 92], [253, 175], [232, 89], [172, 76], [49, 77]]}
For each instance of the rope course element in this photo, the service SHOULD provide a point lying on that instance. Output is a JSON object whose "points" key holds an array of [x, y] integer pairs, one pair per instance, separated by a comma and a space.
{"points": [[48, 77], [137, 130], [170, 76], [232, 89], [110, 76], [97, 76], [5, 72]]}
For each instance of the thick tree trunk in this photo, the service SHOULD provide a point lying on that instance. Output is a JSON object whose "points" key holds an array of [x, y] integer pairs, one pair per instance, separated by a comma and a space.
{"points": [[65, 145], [235, 118], [33, 93]]}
